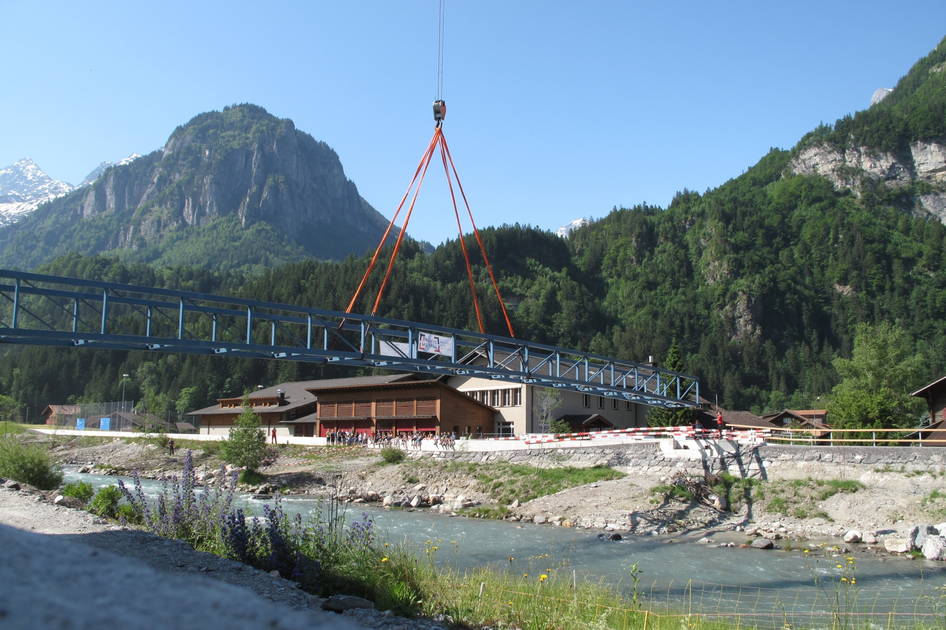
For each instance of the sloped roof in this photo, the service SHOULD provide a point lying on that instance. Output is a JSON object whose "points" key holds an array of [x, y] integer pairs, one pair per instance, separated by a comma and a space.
{"points": [[934, 431], [934, 385], [746, 418]]}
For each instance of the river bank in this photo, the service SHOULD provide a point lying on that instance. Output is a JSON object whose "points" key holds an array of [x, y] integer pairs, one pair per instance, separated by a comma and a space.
{"points": [[795, 503]]}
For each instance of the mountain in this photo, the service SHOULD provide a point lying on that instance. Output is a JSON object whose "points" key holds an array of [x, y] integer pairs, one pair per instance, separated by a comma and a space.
{"points": [[101, 168], [761, 281], [571, 226], [23, 187], [233, 189]]}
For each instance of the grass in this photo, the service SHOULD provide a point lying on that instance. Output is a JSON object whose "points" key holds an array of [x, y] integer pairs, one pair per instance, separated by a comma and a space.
{"points": [[934, 503], [11, 428], [800, 497], [505, 482]]}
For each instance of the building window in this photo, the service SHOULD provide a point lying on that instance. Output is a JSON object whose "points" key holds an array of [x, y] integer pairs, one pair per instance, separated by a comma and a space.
{"points": [[600, 402], [505, 398], [586, 400], [516, 397], [627, 405], [614, 404], [494, 397]]}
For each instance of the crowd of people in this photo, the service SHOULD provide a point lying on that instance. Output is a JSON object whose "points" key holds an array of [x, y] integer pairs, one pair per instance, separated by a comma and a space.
{"points": [[406, 441]]}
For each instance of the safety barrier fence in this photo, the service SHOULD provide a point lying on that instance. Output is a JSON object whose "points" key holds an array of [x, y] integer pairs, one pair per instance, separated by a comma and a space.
{"points": [[745, 435], [830, 436]]}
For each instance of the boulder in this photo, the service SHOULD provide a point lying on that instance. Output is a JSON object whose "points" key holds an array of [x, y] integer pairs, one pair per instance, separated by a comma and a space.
{"points": [[567, 523], [341, 603], [85, 470], [897, 545], [869, 538], [934, 547], [615, 537], [918, 535], [940, 529], [387, 500], [762, 543], [415, 501], [514, 504], [538, 519], [69, 502], [853, 536], [11, 485]]}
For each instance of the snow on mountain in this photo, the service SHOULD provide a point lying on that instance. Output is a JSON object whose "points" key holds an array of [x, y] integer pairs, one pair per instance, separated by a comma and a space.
{"points": [[104, 166], [23, 187], [571, 226]]}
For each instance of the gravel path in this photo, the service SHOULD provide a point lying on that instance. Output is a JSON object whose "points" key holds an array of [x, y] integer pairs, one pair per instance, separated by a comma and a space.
{"points": [[65, 568]]}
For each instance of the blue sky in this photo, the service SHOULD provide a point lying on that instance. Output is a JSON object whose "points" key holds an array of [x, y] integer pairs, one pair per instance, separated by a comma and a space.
{"points": [[557, 110]]}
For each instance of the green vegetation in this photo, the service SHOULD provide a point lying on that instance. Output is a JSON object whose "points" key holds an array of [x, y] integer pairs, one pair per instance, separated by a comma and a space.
{"points": [[250, 478], [246, 444], [392, 455], [7, 427], [507, 482], [28, 463], [799, 497], [105, 502], [876, 381], [78, 490], [934, 503]]}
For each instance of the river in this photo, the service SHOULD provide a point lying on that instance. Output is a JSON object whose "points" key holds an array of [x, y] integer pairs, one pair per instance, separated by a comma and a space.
{"points": [[776, 586]]}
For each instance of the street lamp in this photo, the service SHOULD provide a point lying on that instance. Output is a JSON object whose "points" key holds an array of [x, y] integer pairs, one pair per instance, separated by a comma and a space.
{"points": [[124, 376]]}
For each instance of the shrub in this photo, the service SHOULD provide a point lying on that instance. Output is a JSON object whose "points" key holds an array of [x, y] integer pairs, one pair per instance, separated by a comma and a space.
{"points": [[251, 478], [78, 490], [105, 502], [392, 455], [28, 464], [246, 444]]}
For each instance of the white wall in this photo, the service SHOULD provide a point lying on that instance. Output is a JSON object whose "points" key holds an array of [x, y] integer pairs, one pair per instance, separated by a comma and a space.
{"points": [[525, 417]]}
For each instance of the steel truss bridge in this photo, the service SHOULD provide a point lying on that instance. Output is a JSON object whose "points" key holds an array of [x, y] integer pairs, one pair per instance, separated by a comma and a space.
{"points": [[57, 311]]}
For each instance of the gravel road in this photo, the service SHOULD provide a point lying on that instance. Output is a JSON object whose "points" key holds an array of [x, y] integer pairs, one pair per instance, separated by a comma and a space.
{"points": [[65, 568]]}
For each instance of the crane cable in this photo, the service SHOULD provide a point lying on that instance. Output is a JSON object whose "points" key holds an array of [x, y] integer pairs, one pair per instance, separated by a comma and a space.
{"points": [[440, 51], [438, 141]]}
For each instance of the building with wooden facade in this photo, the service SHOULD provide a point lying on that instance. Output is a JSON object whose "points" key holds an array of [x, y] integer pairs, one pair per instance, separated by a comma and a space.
{"points": [[400, 403]]}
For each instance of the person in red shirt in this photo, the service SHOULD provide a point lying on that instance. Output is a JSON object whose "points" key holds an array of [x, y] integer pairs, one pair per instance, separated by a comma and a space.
{"points": [[720, 425], [273, 434]]}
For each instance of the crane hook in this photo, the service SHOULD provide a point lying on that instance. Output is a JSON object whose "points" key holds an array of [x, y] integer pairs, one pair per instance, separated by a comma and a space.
{"points": [[440, 111]]}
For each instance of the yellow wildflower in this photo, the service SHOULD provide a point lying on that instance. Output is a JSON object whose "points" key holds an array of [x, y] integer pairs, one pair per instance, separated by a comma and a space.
{"points": [[543, 577], [384, 559]]}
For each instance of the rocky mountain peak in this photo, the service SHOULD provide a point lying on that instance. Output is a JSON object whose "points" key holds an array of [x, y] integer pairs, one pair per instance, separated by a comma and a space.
{"points": [[229, 188], [23, 187]]}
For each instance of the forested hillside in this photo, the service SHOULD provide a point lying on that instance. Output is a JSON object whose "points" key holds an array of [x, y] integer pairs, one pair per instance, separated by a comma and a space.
{"points": [[762, 282]]}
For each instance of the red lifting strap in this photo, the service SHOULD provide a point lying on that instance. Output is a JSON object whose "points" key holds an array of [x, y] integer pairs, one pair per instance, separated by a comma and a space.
{"points": [[450, 171]]}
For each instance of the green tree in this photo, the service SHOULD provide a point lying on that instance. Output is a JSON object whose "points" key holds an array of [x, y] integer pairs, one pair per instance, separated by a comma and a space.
{"points": [[246, 444], [8, 408], [662, 417], [876, 381]]}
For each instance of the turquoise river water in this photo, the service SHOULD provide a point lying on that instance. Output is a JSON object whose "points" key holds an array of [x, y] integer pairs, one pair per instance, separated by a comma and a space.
{"points": [[769, 587]]}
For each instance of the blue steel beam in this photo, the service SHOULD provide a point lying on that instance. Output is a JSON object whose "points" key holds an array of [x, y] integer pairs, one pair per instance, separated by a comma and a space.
{"points": [[44, 310]]}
